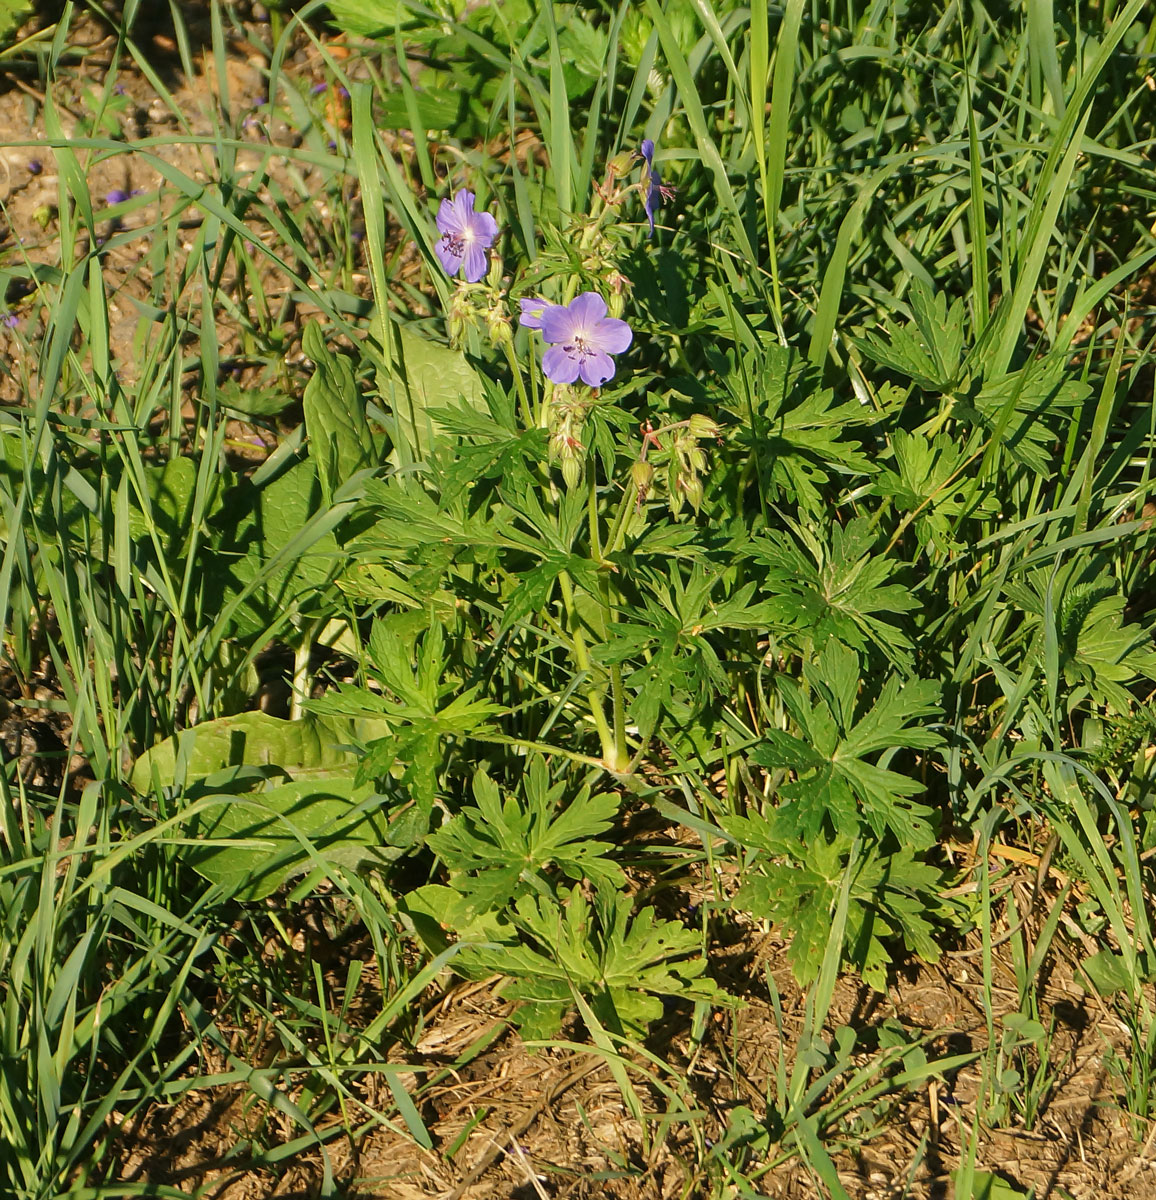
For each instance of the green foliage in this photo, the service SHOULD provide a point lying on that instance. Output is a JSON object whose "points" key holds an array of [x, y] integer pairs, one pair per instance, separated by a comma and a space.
{"points": [[793, 430], [497, 851], [840, 782], [620, 960], [836, 589], [853, 549], [421, 706], [13, 14], [269, 799], [894, 897]]}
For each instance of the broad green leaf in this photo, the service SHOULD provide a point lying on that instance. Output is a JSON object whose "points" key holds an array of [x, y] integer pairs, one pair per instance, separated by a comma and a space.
{"points": [[276, 550], [284, 830], [434, 376], [309, 745]]}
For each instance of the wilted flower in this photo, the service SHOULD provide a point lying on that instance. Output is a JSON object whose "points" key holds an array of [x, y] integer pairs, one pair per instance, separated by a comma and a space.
{"points": [[582, 338], [466, 236]]}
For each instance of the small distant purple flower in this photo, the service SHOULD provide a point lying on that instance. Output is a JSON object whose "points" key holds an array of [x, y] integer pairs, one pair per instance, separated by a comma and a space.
{"points": [[533, 310], [116, 196], [466, 236], [654, 191], [35, 166], [318, 88], [582, 338], [9, 320]]}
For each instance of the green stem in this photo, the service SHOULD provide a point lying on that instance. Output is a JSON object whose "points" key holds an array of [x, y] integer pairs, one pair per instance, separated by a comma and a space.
{"points": [[593, 694], [609, 615], [519, 383]]}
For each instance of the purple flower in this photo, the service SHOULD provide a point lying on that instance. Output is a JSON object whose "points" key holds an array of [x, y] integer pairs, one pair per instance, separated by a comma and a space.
{"points": [[116, 196], [9, 320], [582, 338], [654, 191], [533, 310], [318, 88], [466, 236], [35, 166]]}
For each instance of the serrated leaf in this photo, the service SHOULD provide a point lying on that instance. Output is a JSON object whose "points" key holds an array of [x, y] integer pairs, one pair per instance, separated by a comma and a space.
{"points": [[500, 849], [839, 589], [622, 965], [836, 785], [790, 424]]}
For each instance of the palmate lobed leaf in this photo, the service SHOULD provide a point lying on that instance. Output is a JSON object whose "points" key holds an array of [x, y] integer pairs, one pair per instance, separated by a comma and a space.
{"points": [[497, 849], [1099, 653], [928, 349], [835, 786], [623, 964], [791, 426], [838, 589], [796, 884]]}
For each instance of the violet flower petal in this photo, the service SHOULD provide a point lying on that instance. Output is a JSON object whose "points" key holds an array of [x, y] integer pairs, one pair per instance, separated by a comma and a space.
{"points": [[613, 335], [596, 368], [560, 366], [466, 236], [475, 262], [582, 338], [533, 308]]}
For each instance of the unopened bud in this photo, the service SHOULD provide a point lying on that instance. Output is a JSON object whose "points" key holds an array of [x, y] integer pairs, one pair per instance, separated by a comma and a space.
{"points": [[572, 472], [461, 317], [703, 427], [620, 164], [42, 215], [642, 474], [694, 492], [498, 325]]}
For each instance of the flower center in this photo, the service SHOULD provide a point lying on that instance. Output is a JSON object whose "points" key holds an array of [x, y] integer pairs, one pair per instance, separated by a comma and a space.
{"points": [[454, 243], [578, 347]]}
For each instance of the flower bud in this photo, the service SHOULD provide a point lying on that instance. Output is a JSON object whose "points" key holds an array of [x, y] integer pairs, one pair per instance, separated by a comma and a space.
{"points": [[694, 492], [703, 427], [461, 317], [571, 471], [642, 475], [620, 164], [498, 325]]}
